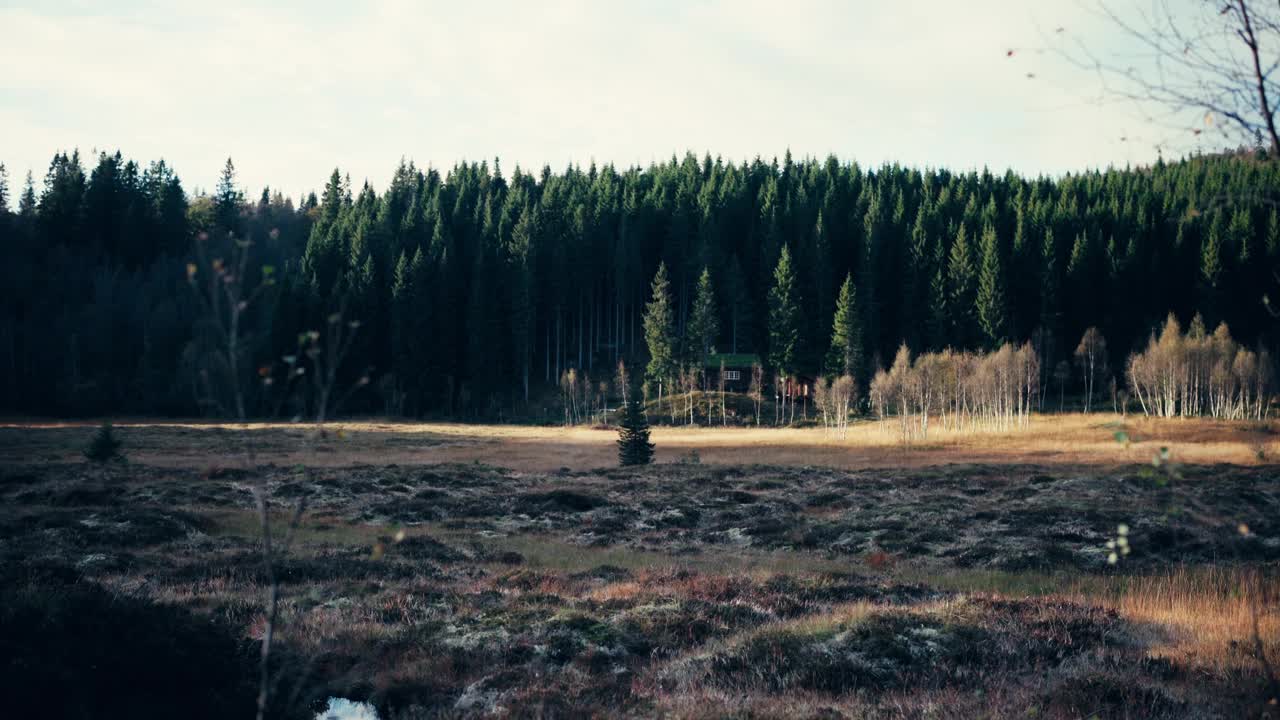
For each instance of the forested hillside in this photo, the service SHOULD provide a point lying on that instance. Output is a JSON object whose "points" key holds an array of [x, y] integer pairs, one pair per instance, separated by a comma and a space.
{"points": [[475, 290]]}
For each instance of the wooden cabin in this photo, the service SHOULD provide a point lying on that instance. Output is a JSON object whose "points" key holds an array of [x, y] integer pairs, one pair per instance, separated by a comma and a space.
{"points": [[737, 370]]}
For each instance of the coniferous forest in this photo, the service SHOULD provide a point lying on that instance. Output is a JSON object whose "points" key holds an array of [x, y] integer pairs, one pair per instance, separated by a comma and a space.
{"points": [[475, 290]]}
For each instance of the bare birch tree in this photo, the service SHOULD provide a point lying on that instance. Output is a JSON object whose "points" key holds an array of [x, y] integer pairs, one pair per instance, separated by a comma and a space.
{"points": [[1193, 67], [1091, 355]]}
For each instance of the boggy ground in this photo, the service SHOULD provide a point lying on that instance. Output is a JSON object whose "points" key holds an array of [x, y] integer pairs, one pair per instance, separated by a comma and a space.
{"points": [[687, 590]]}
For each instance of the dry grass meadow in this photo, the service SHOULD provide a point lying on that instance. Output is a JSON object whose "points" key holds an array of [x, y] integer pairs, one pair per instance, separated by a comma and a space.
{"points": [[460, 570], [1069, 439]]}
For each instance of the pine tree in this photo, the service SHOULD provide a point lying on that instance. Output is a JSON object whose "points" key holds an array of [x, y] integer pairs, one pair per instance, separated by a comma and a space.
{"points": [[784, 317], [704, 323], [1079, 265], [405, 310], [333, 200], [105, 446], [1242, 236], [61, 206], [873, 238], [227, 200], [1211, 272], [546, 270], [521, 251], [27, 202], [1050, 307], [845, 355], [992, 304], [659, 331], [634, 447], [963, 294], [916, 281]]}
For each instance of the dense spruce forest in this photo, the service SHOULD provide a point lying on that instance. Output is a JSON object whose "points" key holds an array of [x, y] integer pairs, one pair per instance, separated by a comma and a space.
{"points": [[475, 290]]}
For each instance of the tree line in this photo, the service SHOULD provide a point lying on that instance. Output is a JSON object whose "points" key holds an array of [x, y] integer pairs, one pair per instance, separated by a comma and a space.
{"points": [[477, 292]]}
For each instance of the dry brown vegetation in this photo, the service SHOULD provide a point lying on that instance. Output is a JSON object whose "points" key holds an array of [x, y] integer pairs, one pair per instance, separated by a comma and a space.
{"points": [[500, 571], [1069, 439]]}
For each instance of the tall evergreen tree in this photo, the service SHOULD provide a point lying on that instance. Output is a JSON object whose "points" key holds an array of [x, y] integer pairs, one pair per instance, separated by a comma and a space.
{"points": [[659, 331], [227, 200], [992, 302], [409, 329], [963, 296], [915, 284], [545, 271], [845, 355], [1050, 302], [27, 203], [1211, 272], [784, 317], [704, 322]]}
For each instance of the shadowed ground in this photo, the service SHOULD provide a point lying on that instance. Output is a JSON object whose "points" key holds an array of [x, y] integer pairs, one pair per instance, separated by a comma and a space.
{"points": [[431, 577]]}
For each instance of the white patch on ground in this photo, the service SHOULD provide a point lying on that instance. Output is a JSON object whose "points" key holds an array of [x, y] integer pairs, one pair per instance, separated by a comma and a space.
{"points": [[344, 709]]}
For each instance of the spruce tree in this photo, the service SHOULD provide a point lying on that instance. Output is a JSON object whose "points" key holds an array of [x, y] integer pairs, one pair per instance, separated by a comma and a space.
{"points": [[916, 281], [227, 200], [704, 323], [1079, 264], [27, 202], [992, 306], [1211, 272], [963, 295], [659, 330], [874, 236], [634, 447], [1242, 236], [784, 317], [105, 446], [845, 354], [545, 271], [1050, 302], [406, 308]]}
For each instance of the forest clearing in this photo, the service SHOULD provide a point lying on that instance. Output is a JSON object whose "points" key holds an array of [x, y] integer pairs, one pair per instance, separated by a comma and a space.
{"points": [[726, 359], [510, 570], [1069, 439]]}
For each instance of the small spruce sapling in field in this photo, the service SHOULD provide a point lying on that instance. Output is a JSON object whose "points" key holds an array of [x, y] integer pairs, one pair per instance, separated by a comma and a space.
{"points": [[105, 446], [634, 447]]}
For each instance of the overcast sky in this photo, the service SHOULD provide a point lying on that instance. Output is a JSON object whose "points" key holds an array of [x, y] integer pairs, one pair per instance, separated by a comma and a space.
{"points": [[293, 90]]}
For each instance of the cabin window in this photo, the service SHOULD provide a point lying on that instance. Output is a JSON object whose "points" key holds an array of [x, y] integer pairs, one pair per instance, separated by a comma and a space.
{"points": [[732, 375]]}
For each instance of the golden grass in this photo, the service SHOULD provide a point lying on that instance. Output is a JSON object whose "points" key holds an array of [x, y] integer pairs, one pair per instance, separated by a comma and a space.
{"points": [[1207, 616], [1069, 439], [1201, 617]]}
